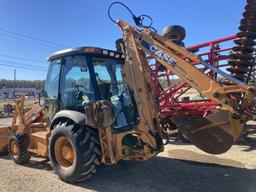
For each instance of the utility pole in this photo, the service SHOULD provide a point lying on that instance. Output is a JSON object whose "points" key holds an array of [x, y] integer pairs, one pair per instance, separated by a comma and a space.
{"points": [[14, 84], [4, 91]]}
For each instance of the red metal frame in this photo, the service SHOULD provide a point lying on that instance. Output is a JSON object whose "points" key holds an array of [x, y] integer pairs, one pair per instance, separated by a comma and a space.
{"points": [[170, 105]]}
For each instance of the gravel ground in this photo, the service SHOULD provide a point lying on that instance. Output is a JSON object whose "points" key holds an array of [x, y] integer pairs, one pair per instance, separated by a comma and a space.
{"points": [[182, 167]]}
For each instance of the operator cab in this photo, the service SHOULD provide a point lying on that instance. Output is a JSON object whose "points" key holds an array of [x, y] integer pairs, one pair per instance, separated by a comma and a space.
{"points": [[78, 76]]}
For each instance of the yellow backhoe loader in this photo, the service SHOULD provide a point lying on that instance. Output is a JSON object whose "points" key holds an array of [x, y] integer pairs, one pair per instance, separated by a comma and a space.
{"points": [[99, 108]]}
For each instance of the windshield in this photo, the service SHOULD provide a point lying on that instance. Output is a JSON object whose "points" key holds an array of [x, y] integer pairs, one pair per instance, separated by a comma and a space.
{"points": [[112, 87]]}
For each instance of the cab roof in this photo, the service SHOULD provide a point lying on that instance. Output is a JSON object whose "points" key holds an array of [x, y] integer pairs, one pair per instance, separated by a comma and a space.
{"points": [[86, 50]]}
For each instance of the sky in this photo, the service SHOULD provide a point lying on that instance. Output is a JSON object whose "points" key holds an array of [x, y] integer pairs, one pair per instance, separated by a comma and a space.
{"points": [[30, 30]]}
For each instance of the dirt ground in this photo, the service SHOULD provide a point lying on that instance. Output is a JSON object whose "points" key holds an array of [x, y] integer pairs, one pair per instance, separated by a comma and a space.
{"points": [[180, 168]]}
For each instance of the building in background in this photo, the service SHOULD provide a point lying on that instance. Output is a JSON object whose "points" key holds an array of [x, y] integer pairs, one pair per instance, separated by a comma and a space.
{"points": [[7, 93]]}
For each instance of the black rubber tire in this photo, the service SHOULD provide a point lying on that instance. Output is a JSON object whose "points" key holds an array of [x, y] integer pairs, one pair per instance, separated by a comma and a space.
{"points": [[22, 142], [86, 152], [175, 30]]}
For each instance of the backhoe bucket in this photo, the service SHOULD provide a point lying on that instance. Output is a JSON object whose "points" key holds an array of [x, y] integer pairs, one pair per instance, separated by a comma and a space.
{"points": [[214, 134], [4, 138]]}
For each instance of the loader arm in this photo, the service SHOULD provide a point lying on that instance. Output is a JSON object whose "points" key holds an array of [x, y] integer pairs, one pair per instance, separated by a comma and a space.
{"points": [[214, 134]]}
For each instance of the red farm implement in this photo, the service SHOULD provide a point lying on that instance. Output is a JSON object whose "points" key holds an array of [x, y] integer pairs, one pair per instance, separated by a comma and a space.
{"points": [[176, 97]]}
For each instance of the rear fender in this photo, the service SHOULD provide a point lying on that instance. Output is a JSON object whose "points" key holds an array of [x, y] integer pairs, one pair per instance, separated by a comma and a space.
{"points": [[64, 115]]}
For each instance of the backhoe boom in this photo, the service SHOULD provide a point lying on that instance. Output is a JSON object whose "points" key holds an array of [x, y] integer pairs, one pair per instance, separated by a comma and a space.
{"points": [[214, 134]]}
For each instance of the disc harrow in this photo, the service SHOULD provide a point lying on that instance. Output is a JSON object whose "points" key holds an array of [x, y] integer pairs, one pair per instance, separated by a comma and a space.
{"points": [[242, 59]]}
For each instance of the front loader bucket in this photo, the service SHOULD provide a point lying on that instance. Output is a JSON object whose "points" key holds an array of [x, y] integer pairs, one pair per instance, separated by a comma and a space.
{"points": [[214, 134], [4, 138]]}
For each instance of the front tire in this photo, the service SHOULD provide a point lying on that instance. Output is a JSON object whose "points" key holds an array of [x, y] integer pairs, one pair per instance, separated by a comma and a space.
{"points": [[18, 148], [73, 152]]}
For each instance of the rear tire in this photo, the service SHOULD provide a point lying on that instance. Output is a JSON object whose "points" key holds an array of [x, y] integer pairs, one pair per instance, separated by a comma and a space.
{"points": [[18, 148], [73, 152]]}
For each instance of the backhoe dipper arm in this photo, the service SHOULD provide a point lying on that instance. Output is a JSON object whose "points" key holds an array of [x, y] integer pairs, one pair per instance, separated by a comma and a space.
{"points": [[136, 73], [220, 129]]}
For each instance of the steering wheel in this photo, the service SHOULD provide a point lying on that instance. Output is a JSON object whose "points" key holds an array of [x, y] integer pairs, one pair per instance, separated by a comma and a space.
{"points": [[80, 93], [85, 90]]}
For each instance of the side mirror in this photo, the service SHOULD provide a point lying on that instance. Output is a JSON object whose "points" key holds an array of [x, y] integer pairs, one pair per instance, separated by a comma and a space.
{"points": [[42, 94]]}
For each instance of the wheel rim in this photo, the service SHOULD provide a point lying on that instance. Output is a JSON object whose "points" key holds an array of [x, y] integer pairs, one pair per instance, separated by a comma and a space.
{"points": [[64, 152], [15, 151]]}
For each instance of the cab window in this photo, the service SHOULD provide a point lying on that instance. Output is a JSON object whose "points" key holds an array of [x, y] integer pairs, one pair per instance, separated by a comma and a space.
{"points": [[112, 87], [76, 84], [52, 80]]}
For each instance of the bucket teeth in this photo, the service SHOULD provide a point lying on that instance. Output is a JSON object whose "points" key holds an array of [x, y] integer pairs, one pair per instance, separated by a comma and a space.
{"points": [[241, 57]]}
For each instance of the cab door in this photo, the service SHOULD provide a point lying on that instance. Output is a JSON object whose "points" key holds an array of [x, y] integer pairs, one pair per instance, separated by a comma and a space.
{"points": [[52, 85]]}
